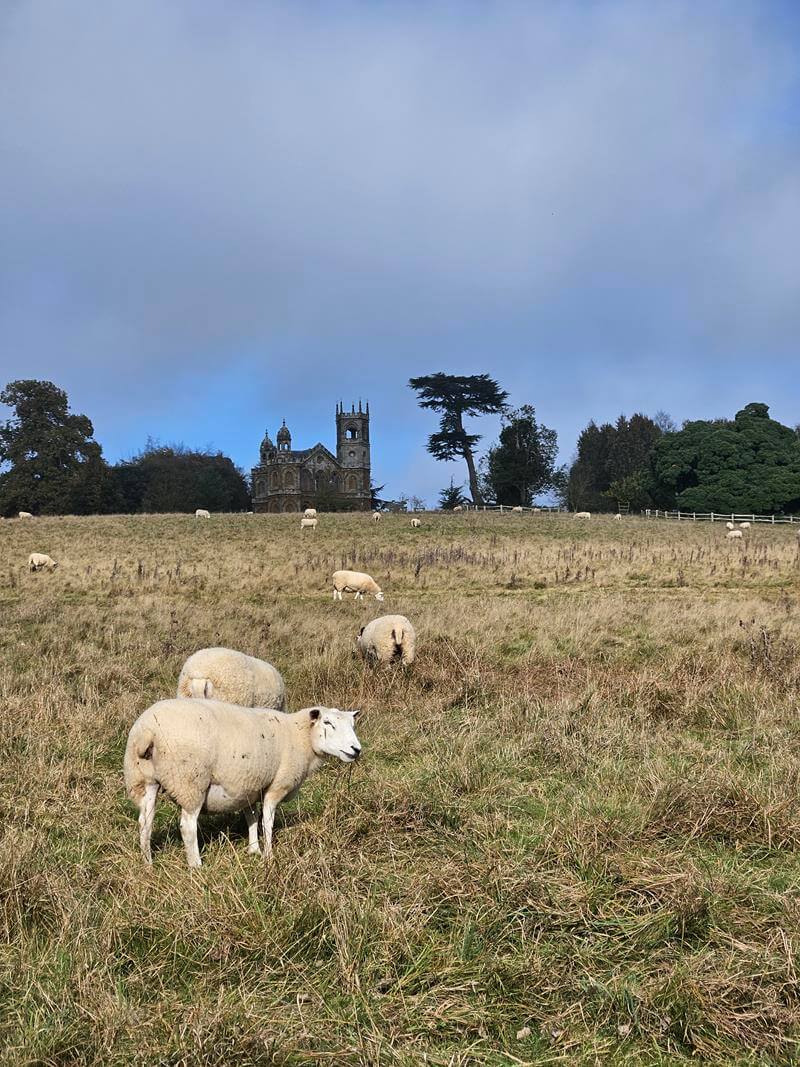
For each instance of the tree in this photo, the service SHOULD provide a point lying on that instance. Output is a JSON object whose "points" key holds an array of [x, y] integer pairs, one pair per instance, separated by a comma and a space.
{"points": [[166, 478], [608, 455], [452, 496], [522, 463], [53, 464], [748, 464], [456, 396]]}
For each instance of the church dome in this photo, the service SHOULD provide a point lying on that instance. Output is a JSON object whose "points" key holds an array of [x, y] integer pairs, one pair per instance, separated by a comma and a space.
{"points": [[284, 437], [267, 448]]}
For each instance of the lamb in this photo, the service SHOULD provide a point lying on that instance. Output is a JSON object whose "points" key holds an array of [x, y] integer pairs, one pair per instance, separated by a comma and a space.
{"points": [[308, 524], [225, 674], [734, 535], [744, 525], [389, 638], [310, 513], [376, 516], [416, 523], [618, 517], [38, 561], [730, 525], [201, 513], [355, 582], [208, 755], [582, 515], [24, 515]]}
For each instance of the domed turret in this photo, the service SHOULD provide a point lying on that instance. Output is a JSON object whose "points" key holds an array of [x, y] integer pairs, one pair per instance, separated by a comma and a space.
{"points": [[284, 438], [267, 448]]}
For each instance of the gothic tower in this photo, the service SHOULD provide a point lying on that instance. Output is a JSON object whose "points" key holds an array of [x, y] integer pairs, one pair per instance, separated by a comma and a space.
{"points": [[352, 446]]}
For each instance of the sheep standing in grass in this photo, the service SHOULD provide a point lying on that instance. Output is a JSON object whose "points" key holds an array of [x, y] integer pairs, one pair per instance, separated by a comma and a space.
{"points": [[458, 508], [734, 535], [310, 513], [308, 524], [416, 523], [24, 515], [730, 525], [582, 515], [744, 525], [376, 516], [224, 674], [618, 517], [201, 513], [38, 561], [518, 510], [220, 757], [355, 582], [387, 639]]}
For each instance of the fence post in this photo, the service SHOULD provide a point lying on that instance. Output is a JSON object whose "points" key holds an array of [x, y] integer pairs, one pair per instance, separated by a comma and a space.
{"points": [[773, 520], [694, 516], [712, 516]]}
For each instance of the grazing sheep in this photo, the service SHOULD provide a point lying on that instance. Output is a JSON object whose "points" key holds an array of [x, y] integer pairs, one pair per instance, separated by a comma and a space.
{"points": [[744, 525], [416, 523], [207, 755], [310, 513], [376, 516], [618, 517], [458, 508], [308, 524], [389, 638], [225, 674], [734, 535], [38, 561], [518, 510], [24, 515], [201, 513], [730, 525], [354, 582], [582, 515]]}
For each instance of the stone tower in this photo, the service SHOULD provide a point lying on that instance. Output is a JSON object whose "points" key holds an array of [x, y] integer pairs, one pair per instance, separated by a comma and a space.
{"points": [[352, 445]]}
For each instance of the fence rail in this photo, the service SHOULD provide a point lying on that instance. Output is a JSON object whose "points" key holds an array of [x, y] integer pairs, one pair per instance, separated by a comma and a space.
{"points": [[504, 508], [718, 516]]}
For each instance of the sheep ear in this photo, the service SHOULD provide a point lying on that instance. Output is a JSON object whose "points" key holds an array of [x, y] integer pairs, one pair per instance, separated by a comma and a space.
{"points": [[355, 714], [313, 714], [361, 631]]}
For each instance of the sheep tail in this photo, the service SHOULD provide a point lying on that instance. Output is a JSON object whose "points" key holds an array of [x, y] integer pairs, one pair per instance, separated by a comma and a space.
{"points": [[138, 766], [201, 688]]}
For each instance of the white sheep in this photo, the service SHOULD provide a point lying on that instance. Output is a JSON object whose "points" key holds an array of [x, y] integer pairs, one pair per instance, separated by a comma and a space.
{"points": [[734, 535], [376, 516], [201, 513], [310, 513], [582, 515], [354, 582], [730, 525], [744, 525], [308, 524], [24, 515], [518, 510], [416, 523], [38, 561], [207, 755], [618, 517], [458, 508], [389, 638], [224, 674]]}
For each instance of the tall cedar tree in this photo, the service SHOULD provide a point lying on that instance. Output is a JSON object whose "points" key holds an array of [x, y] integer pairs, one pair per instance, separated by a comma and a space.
{"points": [[54, 465], [456, 396], [523, 462]]}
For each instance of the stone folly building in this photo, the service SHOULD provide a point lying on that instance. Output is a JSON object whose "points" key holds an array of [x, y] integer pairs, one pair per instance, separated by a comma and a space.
{"points": [[288, 479]]}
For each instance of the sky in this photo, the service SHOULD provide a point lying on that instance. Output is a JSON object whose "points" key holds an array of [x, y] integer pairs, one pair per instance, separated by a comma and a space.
{"points": [[217, 216]]}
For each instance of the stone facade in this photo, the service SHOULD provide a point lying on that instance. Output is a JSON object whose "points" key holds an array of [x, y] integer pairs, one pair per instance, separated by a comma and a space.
{"points": [[288, 479]]}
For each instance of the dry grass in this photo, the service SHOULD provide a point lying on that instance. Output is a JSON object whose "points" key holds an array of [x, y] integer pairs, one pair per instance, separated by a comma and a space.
{"points": [[577, 814]]}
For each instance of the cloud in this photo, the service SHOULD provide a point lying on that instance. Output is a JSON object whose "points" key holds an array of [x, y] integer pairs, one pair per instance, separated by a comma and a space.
{"points": [[217, 216]]}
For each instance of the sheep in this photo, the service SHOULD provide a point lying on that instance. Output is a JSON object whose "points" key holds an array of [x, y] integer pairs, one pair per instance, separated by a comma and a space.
{"points": [[730, 525], [310, 513], [734, 535], [458, 508], [416, 523], [308, 524], [24, 515], [582, 515], [201, 513], [517, 510], [376, 516], [618, 517], [354, 582], [225, 674], [389, 638], [38, 561], [208, 755], [744, 525]]}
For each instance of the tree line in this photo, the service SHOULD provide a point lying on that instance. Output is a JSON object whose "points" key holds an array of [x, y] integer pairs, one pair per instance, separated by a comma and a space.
{"points": [[50, 462]]}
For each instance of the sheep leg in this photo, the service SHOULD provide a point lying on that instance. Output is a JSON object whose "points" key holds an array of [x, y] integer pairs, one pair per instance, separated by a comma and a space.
{"points": [[189, 835], [253, 846], [147, 811], [270, 802]]}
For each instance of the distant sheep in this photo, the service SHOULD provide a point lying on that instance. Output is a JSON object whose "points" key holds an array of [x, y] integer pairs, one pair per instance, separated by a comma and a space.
{"points": [[24, 515], [201, 513], [376, 516], [617, 517], [38, 561], [458, 508], [308, 524], [582, 515], [389, 638], [224, 674], [734, 535], [731, 525], [310, 513], [518, 510], [744, 525], [355, 582], [207, 755], [416, 523]]}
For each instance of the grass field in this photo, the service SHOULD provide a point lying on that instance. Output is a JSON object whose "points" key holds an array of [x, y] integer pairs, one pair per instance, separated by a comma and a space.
{"points": [[576, 818]]}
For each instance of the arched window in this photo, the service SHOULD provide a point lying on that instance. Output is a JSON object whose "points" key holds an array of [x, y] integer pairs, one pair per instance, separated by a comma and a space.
{"points": [[351, 433]]}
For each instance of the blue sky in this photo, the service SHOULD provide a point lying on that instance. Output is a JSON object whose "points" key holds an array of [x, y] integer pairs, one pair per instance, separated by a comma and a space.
{"points": [[217, 216]]}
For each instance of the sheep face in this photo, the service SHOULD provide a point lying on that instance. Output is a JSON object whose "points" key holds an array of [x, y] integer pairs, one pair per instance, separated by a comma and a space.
{"points": [[333, 734]]}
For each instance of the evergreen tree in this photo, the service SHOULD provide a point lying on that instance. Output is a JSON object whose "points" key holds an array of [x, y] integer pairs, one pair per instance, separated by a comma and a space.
{"points": [[452, 496], [522, 463], [166, 478], [456, 396], [609, 455]]}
